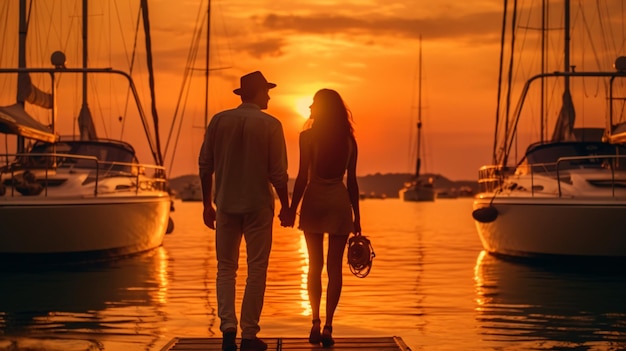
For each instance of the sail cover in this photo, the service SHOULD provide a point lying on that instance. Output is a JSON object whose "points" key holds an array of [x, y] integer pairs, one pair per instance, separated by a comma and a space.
{"points": [[563, 131], [85, 123], [14, 120], [29, 92]]}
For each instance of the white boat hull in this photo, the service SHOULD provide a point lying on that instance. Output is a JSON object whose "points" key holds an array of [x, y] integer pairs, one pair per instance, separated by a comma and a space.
{"points": [[97, 227], [537, 226]]}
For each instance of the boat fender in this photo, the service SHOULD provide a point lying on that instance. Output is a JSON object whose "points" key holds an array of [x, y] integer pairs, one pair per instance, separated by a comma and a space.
{"points": [[26, 184], [170, 226], [485, 214]]}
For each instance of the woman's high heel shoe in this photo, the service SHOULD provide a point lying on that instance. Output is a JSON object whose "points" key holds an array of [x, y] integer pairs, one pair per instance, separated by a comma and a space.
{"points": [[327, 336], [315, 336]]}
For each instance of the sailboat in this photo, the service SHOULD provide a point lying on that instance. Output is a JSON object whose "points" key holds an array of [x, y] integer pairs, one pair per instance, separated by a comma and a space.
{"points": [[566, 196], [80, 197], [418, 189]]}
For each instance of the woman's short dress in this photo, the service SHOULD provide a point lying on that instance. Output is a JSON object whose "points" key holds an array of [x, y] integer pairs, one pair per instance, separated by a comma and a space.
{"points": [[326, 207]]}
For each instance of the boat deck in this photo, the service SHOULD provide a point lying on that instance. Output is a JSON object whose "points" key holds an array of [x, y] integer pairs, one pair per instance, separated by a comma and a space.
{"points": [[391, 343]]}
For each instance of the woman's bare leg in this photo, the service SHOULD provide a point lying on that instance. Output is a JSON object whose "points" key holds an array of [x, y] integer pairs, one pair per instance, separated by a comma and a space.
{"points": [[334, 264], [315, 247]]}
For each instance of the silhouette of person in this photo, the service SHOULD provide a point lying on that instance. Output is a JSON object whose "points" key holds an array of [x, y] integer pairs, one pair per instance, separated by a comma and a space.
{"points": [[245, 148], [328, 150]]}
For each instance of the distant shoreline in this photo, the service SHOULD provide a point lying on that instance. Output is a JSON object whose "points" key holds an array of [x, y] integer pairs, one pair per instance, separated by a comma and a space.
{"points": [[373, 185]]}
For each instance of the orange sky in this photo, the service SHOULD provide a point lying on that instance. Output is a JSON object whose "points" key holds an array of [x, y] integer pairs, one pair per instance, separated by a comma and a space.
{"points": [[366, 50]]}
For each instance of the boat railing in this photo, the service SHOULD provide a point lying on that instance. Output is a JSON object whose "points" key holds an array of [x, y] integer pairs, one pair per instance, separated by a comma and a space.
{"points": [[32, 173], [607, 162], [511, 137], [62, 69], [490, 178]]}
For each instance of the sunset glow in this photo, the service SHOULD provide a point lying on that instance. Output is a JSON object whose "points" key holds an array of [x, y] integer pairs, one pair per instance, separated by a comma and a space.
{"points": [[302, 106]]}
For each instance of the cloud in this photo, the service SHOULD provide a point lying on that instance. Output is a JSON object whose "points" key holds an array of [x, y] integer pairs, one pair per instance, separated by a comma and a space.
{"points": [[484, 25], [273, 33], [264, 47]]}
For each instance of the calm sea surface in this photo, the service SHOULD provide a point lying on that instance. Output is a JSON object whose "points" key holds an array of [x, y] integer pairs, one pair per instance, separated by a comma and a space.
{"points": [[431, 284]]}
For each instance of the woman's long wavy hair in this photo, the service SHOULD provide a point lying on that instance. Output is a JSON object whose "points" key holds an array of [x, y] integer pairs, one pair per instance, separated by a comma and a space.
{"points": [[331, 125]]}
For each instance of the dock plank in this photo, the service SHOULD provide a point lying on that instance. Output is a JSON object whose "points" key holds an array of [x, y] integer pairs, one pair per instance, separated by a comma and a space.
{"points": [[390, 343]]}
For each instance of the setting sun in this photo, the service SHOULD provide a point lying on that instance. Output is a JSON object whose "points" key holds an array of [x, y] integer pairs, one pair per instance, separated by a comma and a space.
{"points": [[302, 106]]}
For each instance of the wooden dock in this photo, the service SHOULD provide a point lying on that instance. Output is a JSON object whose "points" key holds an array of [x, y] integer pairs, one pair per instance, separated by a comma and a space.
{"points": [[391, 343]]}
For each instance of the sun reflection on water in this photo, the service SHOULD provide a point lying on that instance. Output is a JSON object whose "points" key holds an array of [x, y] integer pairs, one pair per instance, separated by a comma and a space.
{"points": [[304, 295], [161, 275]]}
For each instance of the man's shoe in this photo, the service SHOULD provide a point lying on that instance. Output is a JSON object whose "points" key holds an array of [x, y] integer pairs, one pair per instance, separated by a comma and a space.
{"points": [[255, 344], [229, 342]]}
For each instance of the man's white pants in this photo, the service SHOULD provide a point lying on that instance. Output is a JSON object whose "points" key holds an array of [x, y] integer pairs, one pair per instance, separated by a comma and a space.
{"points": [[256, 228]]}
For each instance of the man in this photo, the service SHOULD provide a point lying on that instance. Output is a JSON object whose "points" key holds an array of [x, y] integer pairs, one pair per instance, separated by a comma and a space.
{"points": [[245, 149]]}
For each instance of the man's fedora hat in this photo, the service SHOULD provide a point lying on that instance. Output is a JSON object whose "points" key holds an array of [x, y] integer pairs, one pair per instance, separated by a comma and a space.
{"points": [[253, 82]]}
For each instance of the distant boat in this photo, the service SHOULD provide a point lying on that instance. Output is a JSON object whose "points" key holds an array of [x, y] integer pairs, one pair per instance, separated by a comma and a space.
{"points": [[566, 197], [191, 191], [418, 189], [372, 195], [77, 198], [449, 193]]}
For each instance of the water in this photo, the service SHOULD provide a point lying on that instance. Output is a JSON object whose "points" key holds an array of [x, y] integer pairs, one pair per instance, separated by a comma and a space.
{"points": [[431, 284]]}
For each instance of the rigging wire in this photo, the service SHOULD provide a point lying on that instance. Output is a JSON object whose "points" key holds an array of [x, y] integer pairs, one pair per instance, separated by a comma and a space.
{"points": [[184, 92], [5, 11], [509, 81], [500, 76], [4, 39], [587, 30], [130, 61]]}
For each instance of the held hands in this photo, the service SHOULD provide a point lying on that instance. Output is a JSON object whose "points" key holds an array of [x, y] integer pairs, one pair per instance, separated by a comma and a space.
{"points": [[287, 217]]}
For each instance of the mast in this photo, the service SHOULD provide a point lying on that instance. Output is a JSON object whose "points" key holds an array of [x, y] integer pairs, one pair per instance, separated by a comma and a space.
{"points": [[21, 58], [21, 64], [566, 47], [156, 147], [85, 35], [419, 112], [544, 28], [85, 121], [563, 130], [206, 66], [26, 90]]}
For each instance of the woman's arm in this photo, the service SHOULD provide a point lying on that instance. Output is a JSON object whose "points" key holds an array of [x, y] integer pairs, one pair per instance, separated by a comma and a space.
{"points": [[303, 171], [353, 187]]}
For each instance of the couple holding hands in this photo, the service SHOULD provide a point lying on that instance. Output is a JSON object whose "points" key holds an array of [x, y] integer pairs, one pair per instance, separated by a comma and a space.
{"points": [[244, 152]]}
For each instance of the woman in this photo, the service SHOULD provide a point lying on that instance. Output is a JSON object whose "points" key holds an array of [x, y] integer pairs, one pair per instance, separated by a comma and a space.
{"points": [[328, 150]]}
